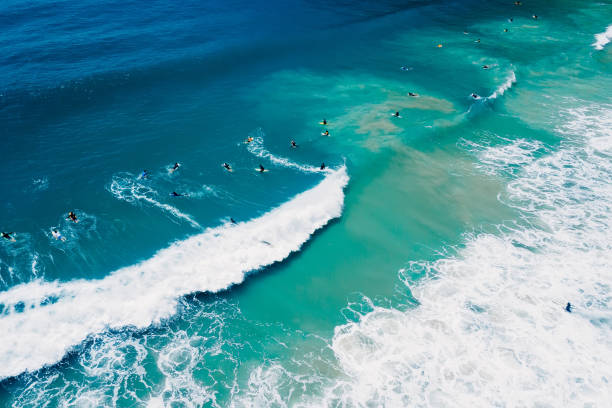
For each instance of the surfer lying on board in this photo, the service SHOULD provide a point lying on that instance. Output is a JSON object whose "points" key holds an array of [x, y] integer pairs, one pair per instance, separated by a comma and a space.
{"points": [[326, 133], [175, 194], [227, 167], [175, 167], [7, 235], [56, 234], [293, 144], [72, 217], [249, 139]]}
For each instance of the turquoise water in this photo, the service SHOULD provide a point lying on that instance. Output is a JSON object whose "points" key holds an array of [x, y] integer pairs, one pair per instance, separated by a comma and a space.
{"points": [[427, 265]]}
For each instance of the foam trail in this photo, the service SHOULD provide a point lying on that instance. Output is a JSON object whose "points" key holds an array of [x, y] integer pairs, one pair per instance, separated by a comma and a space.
{"points": [[142, 294], [602, 39], [257, 148], [510, 80], [127, 188]]}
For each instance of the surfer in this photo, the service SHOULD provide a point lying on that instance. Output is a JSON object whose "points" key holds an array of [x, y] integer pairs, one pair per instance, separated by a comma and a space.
{"points": [[485, 67], [477, 41], [396, 114], [322, 166], [324, 122], [72, 217], [412, 94], [261, 169], [7, 235], [505, 30], [227, 167], [326, 133], [175, 167], [475, 96], [518, 3], [144, 174], [568, 307], [511, 19], [535, 17], [175, 194], [293, 144], [56, 234], [249, 139]]}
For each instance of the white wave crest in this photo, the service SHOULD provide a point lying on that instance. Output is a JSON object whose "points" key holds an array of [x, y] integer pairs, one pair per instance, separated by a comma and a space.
{"points": [[256, 147], [602, 39], [55, 317], [126, 187], [511, 79]]}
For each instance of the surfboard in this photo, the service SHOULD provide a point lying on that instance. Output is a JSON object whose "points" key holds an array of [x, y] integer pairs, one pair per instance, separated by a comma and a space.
{"points": [[323, 134], [399, 117], [259, 170], [230, 170], [321, 123]]}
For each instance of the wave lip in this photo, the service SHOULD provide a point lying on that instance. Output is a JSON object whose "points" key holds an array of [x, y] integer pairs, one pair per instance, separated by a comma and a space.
{"points": [[504, 87], [53, 317], [602, 39]]}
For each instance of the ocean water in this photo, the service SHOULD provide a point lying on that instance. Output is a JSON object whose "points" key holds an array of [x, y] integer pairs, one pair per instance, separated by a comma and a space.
{"points": [[428, 264]]}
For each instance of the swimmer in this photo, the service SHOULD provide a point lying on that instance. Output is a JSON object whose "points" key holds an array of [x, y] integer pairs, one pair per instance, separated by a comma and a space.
{"points": [[144, 174], [485, 67], [175, 167], [261, 168], [568, 307], [322, 166], [249, 139], [227, 167], [326, 133], [7, 235], [293, 144], [72, 217], [413, 94], [56, 234]]}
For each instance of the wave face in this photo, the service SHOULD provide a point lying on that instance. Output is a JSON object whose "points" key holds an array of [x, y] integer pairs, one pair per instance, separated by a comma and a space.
{"points": [[602, 39], [42, 321], [491, 329]]}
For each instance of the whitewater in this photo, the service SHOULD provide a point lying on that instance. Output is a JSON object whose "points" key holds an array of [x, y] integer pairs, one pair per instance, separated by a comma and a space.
{"points": [[490, 328], [42, 321]]}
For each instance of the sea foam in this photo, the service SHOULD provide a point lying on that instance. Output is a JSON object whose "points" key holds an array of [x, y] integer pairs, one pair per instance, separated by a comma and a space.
{"points": [[54, 317], [602, 39]]}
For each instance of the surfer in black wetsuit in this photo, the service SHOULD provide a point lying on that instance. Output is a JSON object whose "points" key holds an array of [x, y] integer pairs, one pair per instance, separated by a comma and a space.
{"points": [[396, 114], [411, 94], [233, 221], [175, 194], [325, 121], [293, 144], [7, 235], [475, 96], [485, 67], [322, 166], [72, 217], [227, 167], [176, 166], [568, 307], [261, 168]]}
